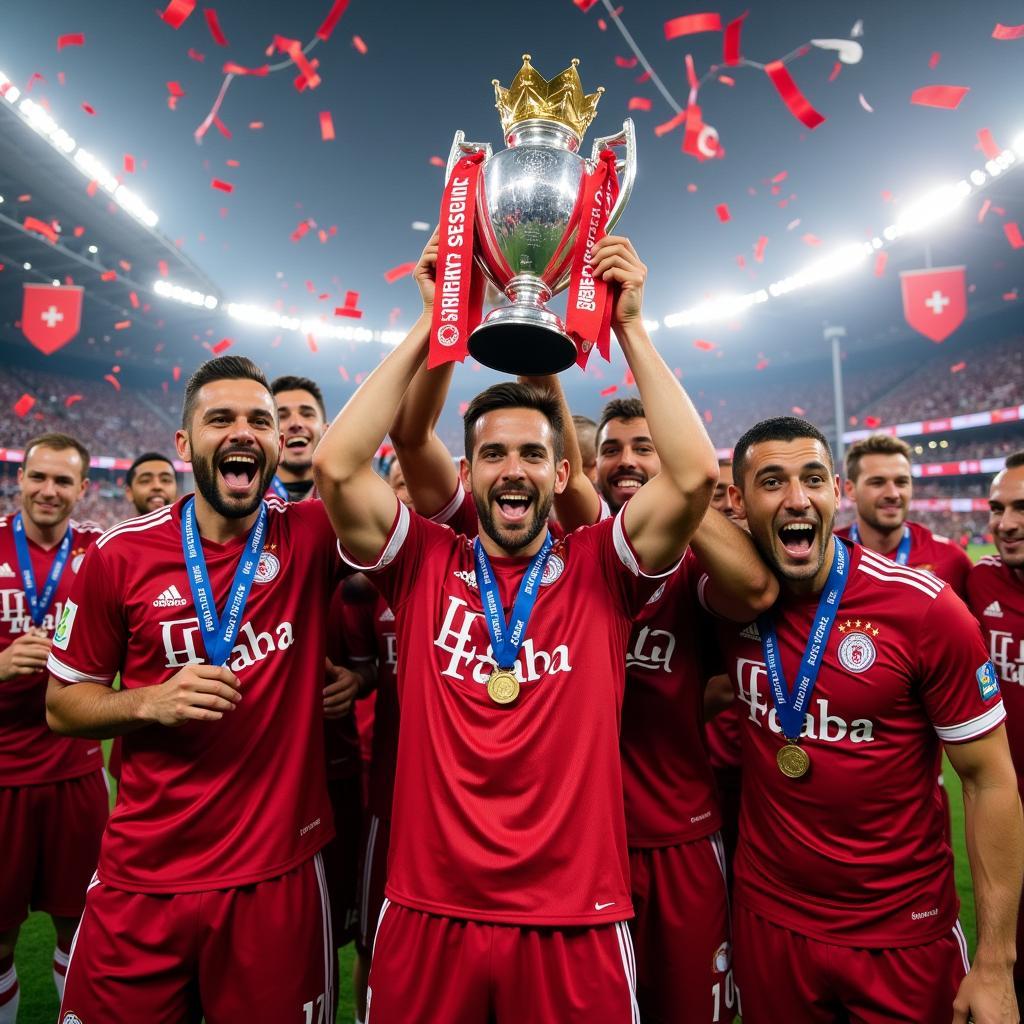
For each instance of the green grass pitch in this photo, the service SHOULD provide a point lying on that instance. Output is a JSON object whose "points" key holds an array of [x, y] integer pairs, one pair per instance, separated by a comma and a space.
{"points": [[35, 944]]}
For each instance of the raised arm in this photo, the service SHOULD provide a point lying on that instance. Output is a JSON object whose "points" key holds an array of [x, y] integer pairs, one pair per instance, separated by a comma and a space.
{"points": [[662, 516], [430, 474], [578, 504], [741, 586], [994, 830], [361, 504]]}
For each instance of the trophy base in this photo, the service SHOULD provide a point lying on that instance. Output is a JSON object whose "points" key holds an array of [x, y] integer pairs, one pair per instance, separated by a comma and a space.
{"points": [[522, 341]]}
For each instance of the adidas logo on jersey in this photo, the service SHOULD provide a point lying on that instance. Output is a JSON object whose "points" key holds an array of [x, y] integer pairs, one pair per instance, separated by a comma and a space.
{"points": [[387, 615], [993, 611], [170, 598], [467, 577], [6, 572], [751, 633]]}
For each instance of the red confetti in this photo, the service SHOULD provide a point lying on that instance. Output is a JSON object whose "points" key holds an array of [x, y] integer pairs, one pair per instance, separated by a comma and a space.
{"points": [[176, 373], [232, 163], [984, 209], [809, 239], [626, 62], [834, 74], [300, 231], [60, 78], [401, 270], [326, 126], [196, 55], [41, 228], [122, 325], [957, 367], [689, 24], [89, 109], [323, 33], [175, 93], [71, 399], [1008, 31], [436, 161], [222, 127], [722, 209], [112, 380], [988, 144], [308, 78], [71, 39], [222, 346], [871, 422], [79, 231], [134, 300], [161, 265], [584, 5], [781, 176], [666, 126], [224, 186], [704, 346], [23, 405], [231, 68], [691, 73], [1010, 296], [727, 80], [639, 103], [255, 125], [933, 60], [344, 373], [798, 104], [213, 24], [945, 97], [129, 163], [125, 266], [645, 77], [357, 42], [605, 392], [349, 309], [708, 416], [762, 364], [311, 341], [177, 11], [881, 258], [629, 380], [731, 42], [90, 189], [1013, 235], [759, 248]]}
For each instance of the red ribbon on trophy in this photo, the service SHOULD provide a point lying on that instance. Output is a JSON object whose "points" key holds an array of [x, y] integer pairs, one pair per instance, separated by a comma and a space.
{"points": [[589, 312], [458, 282]]}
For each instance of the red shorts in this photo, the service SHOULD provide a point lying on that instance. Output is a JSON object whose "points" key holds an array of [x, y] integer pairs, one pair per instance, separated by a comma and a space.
{"points": [[51, 843], [341, 856], [258, 954], [438, 970], [372, 877], [681, 933], [783, 976]]}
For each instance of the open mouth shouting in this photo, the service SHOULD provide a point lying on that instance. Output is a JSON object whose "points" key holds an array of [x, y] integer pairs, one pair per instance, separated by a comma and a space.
{"points": [[797, 538], [513, 505], [239, 470]]}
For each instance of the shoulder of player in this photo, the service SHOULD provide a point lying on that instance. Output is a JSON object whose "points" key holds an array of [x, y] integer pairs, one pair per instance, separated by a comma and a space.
{"points": [[87, 530], [900, 581], [987, 564], [136, 532]]}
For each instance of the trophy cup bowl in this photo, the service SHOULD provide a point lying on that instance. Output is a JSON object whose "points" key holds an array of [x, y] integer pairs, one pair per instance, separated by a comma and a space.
{"points": [[528, 214]]}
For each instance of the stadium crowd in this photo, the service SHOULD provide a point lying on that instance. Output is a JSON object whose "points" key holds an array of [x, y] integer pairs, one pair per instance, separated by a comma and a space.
{"points": [[539, 820]]}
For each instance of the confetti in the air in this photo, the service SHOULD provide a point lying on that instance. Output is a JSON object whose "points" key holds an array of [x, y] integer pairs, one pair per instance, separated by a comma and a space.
{"points": [[689, 24], [1012, 231], [70, 39], [357, 42], [23, 405], [177, 11], [223, 186], [722, 209], [639, 103], [213, 24], [945, 97], [326, 126], [1008, 32], [401, 270], [796, 102]]}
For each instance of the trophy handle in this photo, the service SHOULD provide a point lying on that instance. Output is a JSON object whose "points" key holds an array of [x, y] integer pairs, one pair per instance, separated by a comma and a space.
{"points": [[626, 166], [460, 148]]}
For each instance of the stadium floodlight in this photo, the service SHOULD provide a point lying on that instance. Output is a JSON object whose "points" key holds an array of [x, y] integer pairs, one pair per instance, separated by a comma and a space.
{"points": [[189, 296], [55, 282], [932, 207], [26, 266], [978, 177], [1018, 145], [1, 199], [651, 325], [94, 249], [719, 307], [262, 317]]}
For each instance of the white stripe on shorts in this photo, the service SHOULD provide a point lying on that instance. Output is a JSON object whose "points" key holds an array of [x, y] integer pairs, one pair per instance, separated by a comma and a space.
{"points": [[364, 910], [961, 941], [629, 966], [94, 881], [328, 934]]}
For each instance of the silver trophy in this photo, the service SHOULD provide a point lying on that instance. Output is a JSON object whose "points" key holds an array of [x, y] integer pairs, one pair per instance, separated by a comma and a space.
{"points": [[527, 214]]}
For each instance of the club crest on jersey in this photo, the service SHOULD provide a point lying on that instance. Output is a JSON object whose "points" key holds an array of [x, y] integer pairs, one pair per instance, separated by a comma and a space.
{"points": [[857, 652], [71, 1018], [722, 959], [554, 568], [988, 681], [267, 568], [77, 558]]}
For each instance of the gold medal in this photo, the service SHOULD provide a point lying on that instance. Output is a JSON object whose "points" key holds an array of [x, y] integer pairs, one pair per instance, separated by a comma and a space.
{"points": [[793, 760], [502, 686]]}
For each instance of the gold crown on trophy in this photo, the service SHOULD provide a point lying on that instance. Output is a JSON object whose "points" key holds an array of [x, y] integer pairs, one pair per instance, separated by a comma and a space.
{"points": [[561, 99]]}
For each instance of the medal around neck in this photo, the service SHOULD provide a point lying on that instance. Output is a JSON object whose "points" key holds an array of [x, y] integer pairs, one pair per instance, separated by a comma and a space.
{"points": [[530, 211], [793, 761], [502, 686]]}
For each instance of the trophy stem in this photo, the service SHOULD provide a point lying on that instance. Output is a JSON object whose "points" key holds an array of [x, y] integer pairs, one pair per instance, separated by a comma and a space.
{"points": [[527, 290]]}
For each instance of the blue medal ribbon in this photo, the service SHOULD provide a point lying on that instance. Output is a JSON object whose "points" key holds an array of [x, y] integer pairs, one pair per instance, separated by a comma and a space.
{"points": [[507, 638], [219, 632], [902, 552], [39, 604], [279, 488], [791, 704]]}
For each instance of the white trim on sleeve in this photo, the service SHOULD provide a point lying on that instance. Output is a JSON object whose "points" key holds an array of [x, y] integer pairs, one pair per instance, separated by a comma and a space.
{"points": [[399, 531], [976, 727], [444, 516], [71, 675], [628, 556]]}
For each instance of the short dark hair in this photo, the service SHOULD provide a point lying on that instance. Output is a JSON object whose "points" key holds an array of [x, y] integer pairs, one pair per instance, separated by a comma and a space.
{"points": [[621, 409], [512, 394], [146, 457], [223, 368], [292, 383], [873, 444], [778, 428], [59, 443], [1015, 459]]}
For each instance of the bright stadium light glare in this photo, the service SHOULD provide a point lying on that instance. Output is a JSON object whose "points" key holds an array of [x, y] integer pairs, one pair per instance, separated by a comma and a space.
{"points": [[720, 307], [1018, 145], [94, 249], [26, 266], [978, 177], [651, 326], [932, 207], [189, 296], [262, 317], [55, 282]]}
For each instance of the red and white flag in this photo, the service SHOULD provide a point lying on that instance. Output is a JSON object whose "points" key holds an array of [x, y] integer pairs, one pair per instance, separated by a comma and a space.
{"points": [[935, 300], [51, 315]]}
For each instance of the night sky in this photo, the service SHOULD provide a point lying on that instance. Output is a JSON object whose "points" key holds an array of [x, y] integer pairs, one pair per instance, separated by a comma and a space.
{"points": [[427, 72]]}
